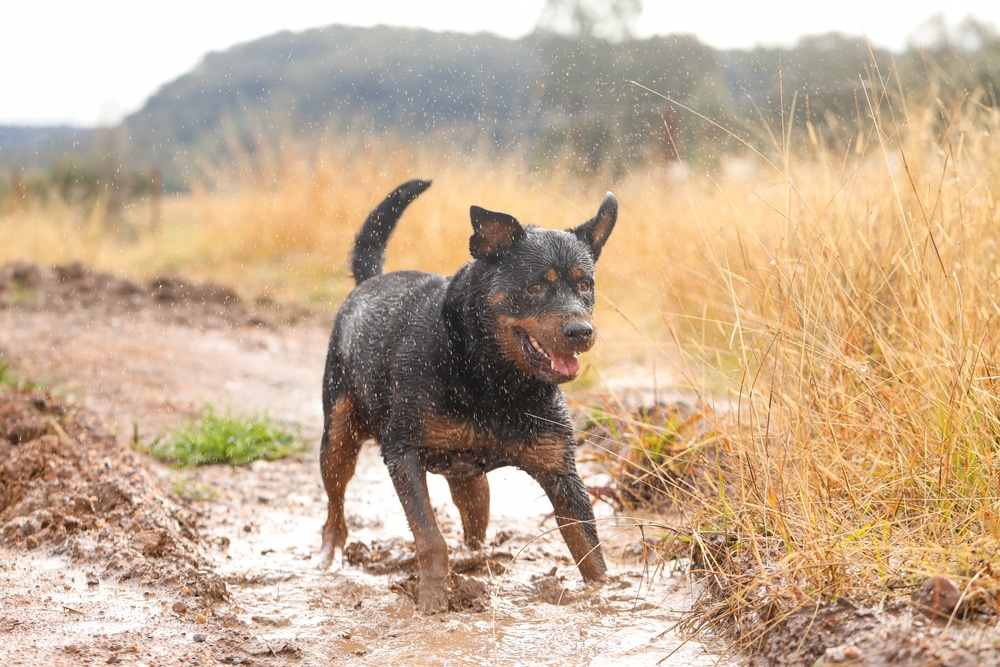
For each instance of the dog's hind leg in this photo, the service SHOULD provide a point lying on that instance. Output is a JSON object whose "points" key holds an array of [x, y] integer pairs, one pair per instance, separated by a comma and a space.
{"points": [[342, 438], [472, 497]]}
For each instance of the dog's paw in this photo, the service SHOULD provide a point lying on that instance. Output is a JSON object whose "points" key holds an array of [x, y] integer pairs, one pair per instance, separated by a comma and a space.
{"points": [[432, 596], [331, 559]]}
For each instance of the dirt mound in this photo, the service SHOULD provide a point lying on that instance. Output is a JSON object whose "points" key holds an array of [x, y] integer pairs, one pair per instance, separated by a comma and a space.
{"points": [[840, 633], [67, 287], [67, 484]]}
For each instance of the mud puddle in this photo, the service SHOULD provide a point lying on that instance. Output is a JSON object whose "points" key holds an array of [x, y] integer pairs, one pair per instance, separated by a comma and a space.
{"points": [[535, 608], [226, 572]]}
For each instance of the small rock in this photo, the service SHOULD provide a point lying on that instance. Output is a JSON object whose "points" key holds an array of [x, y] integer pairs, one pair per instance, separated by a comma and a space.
{"points": [[179, 607], [938, 596], [842, 653], [275, 621]]}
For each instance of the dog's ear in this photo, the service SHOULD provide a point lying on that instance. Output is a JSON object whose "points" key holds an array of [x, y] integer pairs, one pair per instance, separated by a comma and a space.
{"points": [[493, 233], [596, 231]]}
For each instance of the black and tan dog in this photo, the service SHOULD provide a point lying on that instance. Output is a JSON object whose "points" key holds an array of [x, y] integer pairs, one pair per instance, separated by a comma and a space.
{"points": [[459, 375]]}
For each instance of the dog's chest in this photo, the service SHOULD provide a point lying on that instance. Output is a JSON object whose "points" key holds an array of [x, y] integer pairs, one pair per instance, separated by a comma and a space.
{"points": [[460, 448]]}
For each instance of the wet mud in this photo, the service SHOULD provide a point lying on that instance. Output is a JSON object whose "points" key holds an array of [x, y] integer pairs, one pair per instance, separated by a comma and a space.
{"points": [[107, 556]]}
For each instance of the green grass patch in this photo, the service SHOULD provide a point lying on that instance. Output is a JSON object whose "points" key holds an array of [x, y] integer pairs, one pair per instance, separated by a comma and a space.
{"points": [[7, 378], [12, 380], [230, 439], [17, 296], [192, 488]]}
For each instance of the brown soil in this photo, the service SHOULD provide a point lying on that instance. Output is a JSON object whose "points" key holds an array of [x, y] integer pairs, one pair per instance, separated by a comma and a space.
{"points": [[107, 556]]}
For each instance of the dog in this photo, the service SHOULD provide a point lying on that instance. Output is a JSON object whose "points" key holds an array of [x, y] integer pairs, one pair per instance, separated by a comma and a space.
{"points": [[460, 375]]}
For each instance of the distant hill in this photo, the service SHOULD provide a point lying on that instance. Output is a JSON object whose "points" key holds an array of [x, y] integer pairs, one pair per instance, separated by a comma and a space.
{"points": [[28, 147], [376, 79], [554, 95]]}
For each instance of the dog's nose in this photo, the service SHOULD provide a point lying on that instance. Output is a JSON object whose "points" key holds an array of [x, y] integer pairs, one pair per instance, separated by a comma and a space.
{"points": [[578, 332]]}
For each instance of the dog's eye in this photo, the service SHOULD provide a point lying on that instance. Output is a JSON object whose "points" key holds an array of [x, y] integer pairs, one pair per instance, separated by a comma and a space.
{"points": [[534, 288], [584, 286]]}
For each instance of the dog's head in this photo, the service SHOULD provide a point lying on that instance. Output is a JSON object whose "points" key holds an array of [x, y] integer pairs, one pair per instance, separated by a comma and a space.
{"points": [[540, 288]]}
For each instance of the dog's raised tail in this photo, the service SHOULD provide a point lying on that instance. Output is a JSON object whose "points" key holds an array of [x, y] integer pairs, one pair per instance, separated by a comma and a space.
{"points": [[369, 245]]}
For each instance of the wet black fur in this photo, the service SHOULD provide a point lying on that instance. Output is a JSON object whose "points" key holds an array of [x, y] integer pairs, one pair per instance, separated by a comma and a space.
{"points": [[412, 350]]}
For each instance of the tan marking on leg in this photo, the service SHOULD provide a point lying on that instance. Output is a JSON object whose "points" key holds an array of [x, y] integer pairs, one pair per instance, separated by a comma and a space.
{"points": [[337, 462], [472, 497], [546, 456]]}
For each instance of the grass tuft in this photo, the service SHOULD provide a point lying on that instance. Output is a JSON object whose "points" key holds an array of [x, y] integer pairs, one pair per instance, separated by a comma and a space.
{"points": [[854, 325], [228, 439], [10, 379], [652, 453]]}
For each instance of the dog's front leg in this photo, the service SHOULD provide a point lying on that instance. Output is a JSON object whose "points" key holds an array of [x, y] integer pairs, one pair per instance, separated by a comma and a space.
{"points": [[575, 517], [410, 480]]}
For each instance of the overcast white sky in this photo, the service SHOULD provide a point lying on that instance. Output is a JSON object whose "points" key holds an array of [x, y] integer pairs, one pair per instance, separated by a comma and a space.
{"points": [[87, 62]]}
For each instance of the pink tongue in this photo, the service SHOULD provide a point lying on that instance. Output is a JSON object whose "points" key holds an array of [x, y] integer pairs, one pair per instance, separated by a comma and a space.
{"points": [[565, 364]]}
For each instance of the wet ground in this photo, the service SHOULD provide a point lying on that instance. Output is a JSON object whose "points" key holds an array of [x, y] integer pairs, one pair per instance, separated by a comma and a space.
{"points": [[107, 556]]}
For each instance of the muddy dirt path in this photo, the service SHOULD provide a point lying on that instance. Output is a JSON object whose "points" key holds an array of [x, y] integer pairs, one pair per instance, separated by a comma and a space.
{"points": [[143, 362]]}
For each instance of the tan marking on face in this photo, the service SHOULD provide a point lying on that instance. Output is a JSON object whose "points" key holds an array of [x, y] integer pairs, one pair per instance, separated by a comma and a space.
{"points": [[497, 299], [577, 274], [545, 328], [550, 275], [509, 346]]}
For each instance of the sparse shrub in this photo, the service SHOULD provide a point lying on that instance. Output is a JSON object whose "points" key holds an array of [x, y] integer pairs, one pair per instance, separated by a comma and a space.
{"points": [[654, 454]]}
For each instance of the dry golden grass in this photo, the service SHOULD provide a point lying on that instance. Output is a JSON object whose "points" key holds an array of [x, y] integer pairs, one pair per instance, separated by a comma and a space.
{"points": [[283, 223], [859, 342], [842, 301]]}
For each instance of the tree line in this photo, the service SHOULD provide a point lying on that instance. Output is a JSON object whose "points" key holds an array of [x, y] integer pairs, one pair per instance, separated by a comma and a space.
{"points": [[589, 102]]}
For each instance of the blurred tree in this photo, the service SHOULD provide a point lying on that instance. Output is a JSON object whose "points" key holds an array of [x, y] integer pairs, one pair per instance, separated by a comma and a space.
{"points": [[564, 92], [954, 64], [75, 180], [610, 20], [969, 36]]}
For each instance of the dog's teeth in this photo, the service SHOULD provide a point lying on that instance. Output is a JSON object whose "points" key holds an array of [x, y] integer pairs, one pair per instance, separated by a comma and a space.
{"points": [[538, 347]]}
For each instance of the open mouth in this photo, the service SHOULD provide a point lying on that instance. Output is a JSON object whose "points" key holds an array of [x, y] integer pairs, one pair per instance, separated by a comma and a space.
{"points": [[549, 365]]}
